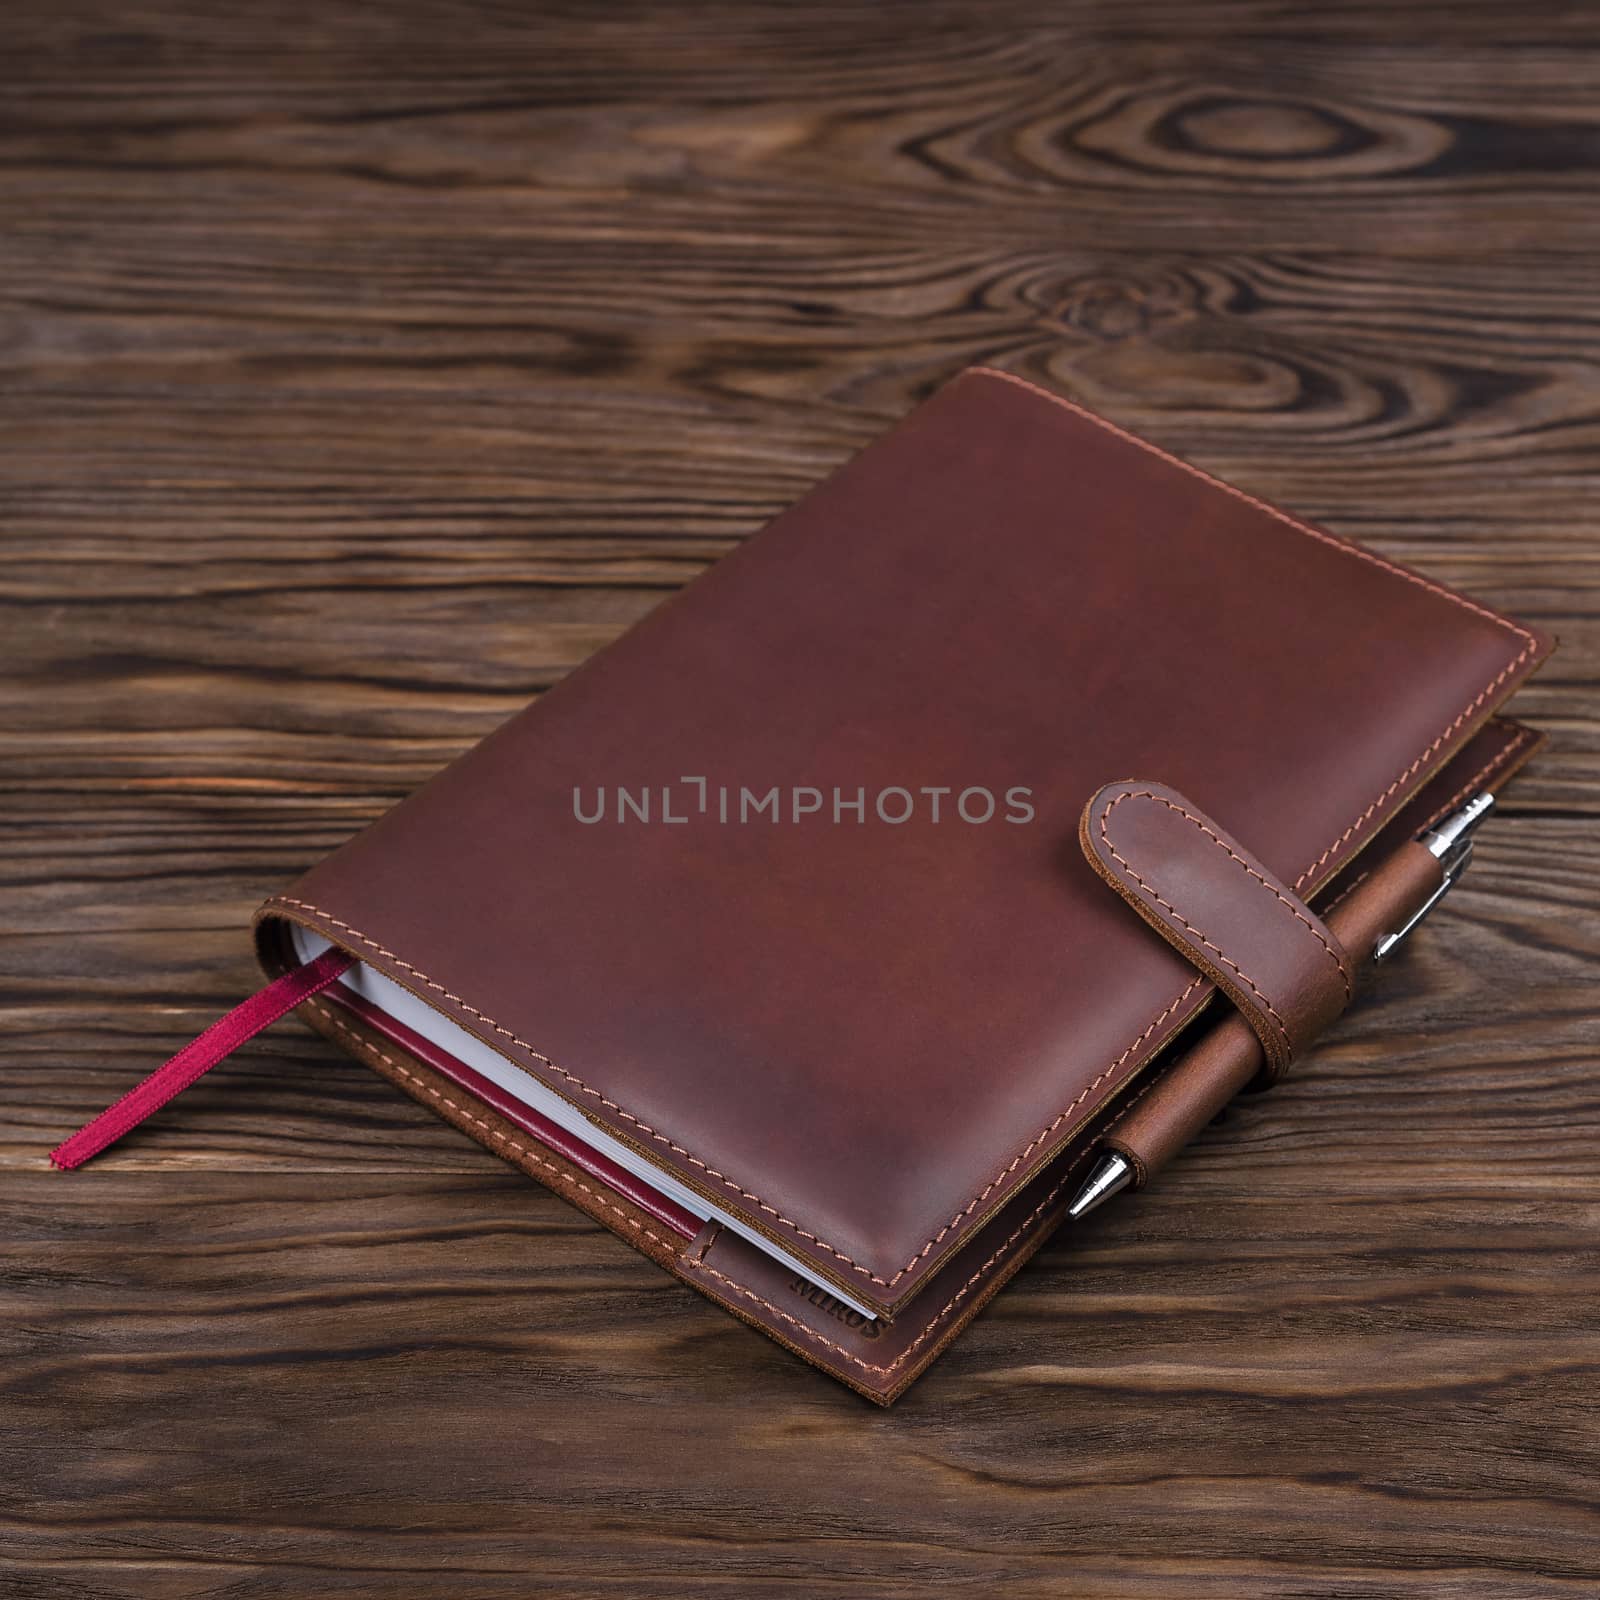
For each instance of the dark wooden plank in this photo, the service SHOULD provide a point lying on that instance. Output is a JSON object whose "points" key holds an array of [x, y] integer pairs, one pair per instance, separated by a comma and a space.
{"points": [[746, 118], [293, 1367], [364, 371]]}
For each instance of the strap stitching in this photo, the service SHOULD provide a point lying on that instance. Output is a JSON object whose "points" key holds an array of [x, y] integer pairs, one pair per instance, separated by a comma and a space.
{"points": [[1167, 905], [1222, 844]]}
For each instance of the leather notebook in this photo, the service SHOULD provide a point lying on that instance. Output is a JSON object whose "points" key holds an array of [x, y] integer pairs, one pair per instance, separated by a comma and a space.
{"points": [[793, 936]]}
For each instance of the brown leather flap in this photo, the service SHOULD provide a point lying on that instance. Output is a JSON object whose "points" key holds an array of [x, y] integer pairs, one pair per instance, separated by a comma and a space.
{"points": [[1203, 892]]}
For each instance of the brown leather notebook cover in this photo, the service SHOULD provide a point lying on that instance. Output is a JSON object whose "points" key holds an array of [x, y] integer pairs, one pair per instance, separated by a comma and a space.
{"points": [[882, 1045]]}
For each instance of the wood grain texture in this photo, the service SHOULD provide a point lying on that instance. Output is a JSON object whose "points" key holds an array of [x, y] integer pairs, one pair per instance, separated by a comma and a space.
{"points": [[365, 369]]}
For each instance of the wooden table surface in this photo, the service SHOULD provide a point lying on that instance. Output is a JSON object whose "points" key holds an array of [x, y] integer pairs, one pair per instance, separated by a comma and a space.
{"points": [[366, 368]]}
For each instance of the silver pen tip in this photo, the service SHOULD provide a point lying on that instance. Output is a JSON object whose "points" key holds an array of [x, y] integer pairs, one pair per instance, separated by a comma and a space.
{"points": [[1111, 1175], [1449, 833]]}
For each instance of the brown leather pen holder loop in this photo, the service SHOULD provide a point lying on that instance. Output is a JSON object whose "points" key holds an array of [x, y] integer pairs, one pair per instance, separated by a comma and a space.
{"points": [[1213, 901]]}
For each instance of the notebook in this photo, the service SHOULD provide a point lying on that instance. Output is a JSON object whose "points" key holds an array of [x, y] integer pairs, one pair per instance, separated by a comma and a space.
{"points": [[767, 937]]}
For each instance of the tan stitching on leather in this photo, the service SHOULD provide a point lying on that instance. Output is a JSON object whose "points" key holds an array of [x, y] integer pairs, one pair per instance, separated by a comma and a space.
{"points": [[490, 1131], [888, 1283], [1336, 957], [1345, 893], [572, 1078], [1426, 756], [686, 1261], [1178, 916], [1529, 646], [699, 1260], [1263, 505], [883, 1370], [1476, 780]]}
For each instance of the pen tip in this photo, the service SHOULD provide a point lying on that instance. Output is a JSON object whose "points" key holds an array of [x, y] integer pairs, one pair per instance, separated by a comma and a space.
{"points": [[1111, 1175]]}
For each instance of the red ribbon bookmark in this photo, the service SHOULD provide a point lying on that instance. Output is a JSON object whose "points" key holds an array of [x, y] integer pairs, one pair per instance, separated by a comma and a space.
{"points": [[199, 1056]]}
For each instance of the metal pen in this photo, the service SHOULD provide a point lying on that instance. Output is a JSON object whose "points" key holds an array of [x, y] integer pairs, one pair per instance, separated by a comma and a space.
{"points": [[1371, 921]]}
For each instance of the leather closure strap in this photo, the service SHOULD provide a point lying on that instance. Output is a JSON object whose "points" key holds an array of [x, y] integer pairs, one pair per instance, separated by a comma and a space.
{"points": [[1203, 892]]}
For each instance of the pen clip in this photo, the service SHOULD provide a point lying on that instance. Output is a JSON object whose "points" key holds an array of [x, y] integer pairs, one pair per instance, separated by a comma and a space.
{"points": [[1450, 840]]}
